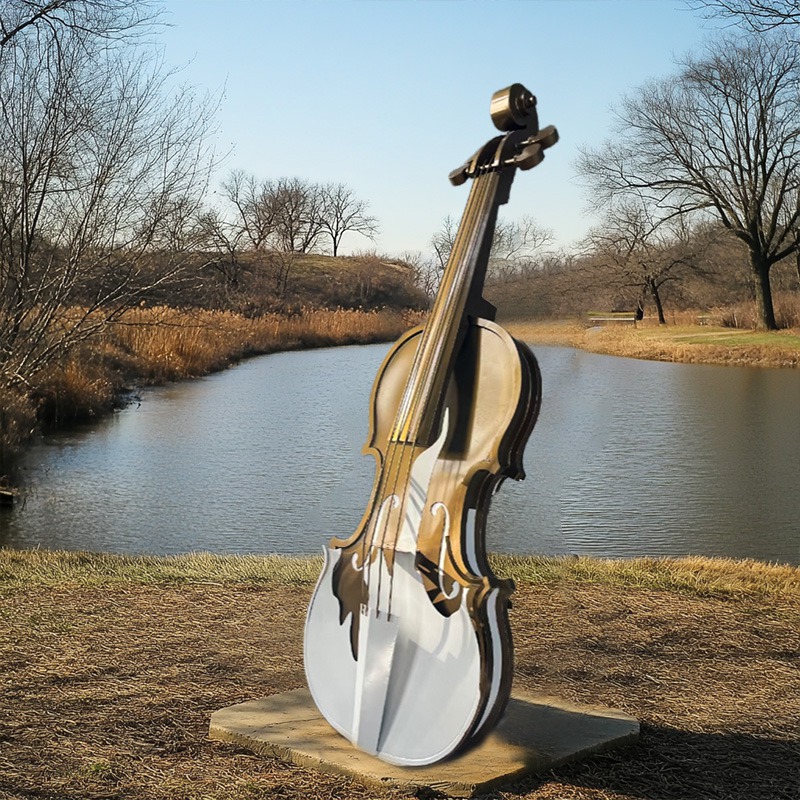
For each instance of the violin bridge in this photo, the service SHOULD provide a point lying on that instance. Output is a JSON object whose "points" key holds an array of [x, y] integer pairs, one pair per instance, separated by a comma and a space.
{"points": [[377, 636]]}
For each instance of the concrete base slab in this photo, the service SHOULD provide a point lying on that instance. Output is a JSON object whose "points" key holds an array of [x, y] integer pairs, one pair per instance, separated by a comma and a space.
{"points": [[536, 734]]}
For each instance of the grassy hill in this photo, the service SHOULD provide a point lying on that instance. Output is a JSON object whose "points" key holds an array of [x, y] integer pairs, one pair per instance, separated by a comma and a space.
{"points": [[255, 283]]}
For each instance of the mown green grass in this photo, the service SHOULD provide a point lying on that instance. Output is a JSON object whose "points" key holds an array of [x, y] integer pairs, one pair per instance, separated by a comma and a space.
{"points": [[694, 575], [729, 337], [699, 344]]}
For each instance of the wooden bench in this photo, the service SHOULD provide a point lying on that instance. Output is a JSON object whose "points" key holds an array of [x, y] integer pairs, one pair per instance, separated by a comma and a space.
{"points": [[602, 317]]}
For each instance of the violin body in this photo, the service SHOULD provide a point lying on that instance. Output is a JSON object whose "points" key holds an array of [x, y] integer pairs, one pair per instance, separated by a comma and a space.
{"points": [[407, 645], [449, 639]]}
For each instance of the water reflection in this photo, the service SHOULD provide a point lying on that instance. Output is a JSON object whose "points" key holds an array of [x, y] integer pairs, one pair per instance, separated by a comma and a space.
{"points": [[628, 458]]}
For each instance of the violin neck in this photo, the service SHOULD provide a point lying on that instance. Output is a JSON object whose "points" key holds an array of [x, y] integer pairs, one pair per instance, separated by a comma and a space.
{"points": [[459, 297]]}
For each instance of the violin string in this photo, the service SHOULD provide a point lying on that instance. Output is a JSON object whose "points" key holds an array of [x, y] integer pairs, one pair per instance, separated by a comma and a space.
{"points": [[401, 508], [449, 315], [454, 300], [431, 332], [442, 318], [450, 475], [390, 474], [394, 437], [408, 417], [447, 318]]}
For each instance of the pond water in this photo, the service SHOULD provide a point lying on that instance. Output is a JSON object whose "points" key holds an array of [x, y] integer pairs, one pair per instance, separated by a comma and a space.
{"points": [[628, 458]]}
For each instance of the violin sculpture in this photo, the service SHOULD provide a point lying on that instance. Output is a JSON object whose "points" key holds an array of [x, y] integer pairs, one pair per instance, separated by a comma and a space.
{"points": [[408, 649]]}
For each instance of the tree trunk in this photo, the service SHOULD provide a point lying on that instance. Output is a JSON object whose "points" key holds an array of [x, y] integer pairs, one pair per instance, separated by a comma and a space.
{"points": [[657, 300], [763, 291]]}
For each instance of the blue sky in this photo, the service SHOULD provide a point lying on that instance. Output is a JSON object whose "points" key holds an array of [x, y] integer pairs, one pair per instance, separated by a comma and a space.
{"points": [[388, 96]]}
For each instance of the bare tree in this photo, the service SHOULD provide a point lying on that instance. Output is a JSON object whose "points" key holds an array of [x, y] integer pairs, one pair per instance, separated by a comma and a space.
{"points": [[757, 15], [293, 215], [281, 263], [221, 241], [100, 170], [722, 136], [516, 245], [344, 213], [518, 248], [255, 207], [443, 240], [424, 271], [299, 214], [110, 19], [640, 252]]}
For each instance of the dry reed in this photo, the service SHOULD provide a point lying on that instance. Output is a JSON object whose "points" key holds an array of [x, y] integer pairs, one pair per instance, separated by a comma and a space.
{"points": [[156, 345], [168, 344], [745, 315]]}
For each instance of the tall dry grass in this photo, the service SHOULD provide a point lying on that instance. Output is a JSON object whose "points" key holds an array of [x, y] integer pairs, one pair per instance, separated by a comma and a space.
{"points": [[720, 336], [17, 424], [157, 345], [167, 344], [745, 315]]}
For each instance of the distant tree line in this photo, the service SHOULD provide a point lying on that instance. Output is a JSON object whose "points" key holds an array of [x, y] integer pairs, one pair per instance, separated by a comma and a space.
{"points": [[270, 222], [288, 214], [697, 190]]}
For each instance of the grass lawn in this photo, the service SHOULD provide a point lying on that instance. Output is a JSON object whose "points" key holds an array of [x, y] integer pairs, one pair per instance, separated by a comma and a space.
{"points": [[111, 667], [700, 344]]}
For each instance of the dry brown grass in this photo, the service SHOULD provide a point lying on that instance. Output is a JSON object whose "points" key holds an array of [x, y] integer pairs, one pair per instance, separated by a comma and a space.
{"points": [[156, 345], [107, 690], [168, 344], [17, 424], [694, 575], [745, 315], [691, 344]]}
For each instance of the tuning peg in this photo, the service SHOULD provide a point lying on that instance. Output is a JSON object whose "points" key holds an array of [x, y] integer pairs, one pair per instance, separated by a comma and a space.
{"points": [[531, 156], [546, 137], [459, 176], [532, 152]]}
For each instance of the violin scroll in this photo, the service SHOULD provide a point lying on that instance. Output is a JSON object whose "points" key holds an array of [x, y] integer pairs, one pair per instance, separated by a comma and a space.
{"points": [[513, 110]]}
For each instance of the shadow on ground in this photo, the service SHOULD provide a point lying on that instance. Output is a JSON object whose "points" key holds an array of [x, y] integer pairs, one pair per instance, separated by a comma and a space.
{"points": [[671, 764]]}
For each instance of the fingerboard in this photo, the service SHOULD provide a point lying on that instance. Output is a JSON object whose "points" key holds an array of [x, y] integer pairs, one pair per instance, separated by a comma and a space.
{"points": [[420, 405]]}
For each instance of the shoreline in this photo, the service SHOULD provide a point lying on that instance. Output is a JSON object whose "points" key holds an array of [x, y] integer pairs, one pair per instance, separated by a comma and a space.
{"points": [[700, 576], [153, 347], [160, 345], [156, 346], [685, 344]]}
